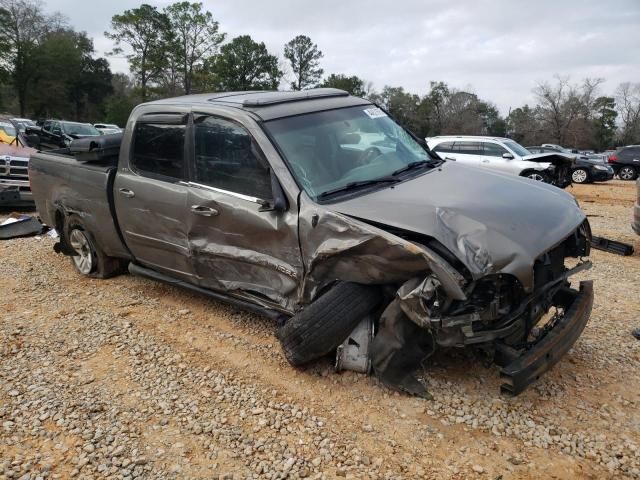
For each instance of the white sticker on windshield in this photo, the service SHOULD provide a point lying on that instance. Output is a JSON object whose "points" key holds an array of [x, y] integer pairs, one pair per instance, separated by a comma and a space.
{"points": [[374, 112]]}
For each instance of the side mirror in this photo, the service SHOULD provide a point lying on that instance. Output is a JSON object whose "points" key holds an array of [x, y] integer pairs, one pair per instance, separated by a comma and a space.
{"points": [[279, 202], [507, 156]]}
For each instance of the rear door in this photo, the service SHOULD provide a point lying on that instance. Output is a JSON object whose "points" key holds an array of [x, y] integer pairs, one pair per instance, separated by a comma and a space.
{"points": [[151, 193], [237, 246], [468, 152]]}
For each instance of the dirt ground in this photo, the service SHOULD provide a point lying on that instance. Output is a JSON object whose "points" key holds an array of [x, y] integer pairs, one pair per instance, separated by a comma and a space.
{"points": [[129, 378]]}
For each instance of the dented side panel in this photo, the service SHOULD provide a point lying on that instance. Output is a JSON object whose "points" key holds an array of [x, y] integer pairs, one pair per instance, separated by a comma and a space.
{"points": [[243, 250], [338, 247]]}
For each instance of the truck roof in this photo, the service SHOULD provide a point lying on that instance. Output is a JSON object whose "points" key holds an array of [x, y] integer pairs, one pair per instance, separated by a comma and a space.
{"points": [[269, 105]]}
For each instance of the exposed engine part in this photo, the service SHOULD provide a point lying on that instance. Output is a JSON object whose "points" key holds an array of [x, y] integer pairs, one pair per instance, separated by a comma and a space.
{"points": [[353, 354]]}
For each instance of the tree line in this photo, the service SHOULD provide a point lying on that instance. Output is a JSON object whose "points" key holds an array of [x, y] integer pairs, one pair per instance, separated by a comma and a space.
{"points": [[49, 69]]}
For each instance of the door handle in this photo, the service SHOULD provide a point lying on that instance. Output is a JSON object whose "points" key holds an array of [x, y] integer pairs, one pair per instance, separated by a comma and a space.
{"points": [[204, 211], [485, 161], [127, 193]]}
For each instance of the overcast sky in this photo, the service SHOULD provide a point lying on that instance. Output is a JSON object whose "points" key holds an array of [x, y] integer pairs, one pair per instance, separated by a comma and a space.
{"points": [[498, 49]]}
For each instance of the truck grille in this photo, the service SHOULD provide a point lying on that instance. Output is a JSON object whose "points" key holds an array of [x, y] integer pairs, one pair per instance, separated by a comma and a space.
{"points": [[15, 171]]}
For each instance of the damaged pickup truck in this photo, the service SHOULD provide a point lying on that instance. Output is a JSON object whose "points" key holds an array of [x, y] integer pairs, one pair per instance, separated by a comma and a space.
{"points": [[317, 209]]}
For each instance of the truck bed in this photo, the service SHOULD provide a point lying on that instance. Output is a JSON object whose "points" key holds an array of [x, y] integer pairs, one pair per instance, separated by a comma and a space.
{"points": [[85, 189]]}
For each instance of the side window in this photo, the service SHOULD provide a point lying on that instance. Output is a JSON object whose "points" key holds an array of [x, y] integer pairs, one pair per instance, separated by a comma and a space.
{"points": [[158, 149], [444, 147], [47, 126], [227, 157], [468, 148], [493, 149], [56, 128]]}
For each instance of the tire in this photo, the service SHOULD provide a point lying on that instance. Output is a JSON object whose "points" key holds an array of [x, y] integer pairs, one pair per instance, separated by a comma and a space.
{"points": [[91, 261], [627, 172], [327, 322], [536, 175], [580, 175]]}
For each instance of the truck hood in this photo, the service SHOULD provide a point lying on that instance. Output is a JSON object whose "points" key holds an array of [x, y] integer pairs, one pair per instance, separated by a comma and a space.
{"points": [[550, 157], [492, 222]]}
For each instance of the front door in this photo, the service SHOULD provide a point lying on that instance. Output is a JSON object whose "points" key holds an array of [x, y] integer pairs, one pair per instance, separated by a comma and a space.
{"points": [[238, 247], [492, 158], [151, 194]]}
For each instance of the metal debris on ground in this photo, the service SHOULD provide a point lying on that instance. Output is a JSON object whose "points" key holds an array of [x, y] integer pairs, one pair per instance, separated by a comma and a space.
{"points": [[18, 225], [611, 246]]}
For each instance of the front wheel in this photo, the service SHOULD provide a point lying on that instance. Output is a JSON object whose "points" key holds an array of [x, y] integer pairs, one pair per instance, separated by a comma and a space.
{"points": [[580, 175], [627, 173], [537, 176]]}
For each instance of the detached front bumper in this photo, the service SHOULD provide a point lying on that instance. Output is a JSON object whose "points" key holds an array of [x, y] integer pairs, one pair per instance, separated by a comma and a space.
{"points": [[521, 368]]}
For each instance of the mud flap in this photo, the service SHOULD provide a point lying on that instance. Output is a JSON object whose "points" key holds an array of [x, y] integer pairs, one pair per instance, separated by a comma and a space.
{"points": [[399, 347]]}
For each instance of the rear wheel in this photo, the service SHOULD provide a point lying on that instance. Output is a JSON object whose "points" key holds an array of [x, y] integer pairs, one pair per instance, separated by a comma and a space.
{"points": [[580, 175], [627, 173], [89, 259]]}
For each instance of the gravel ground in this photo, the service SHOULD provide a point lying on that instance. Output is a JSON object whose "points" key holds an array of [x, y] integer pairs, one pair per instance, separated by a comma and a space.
{"points": [[128, 378]]}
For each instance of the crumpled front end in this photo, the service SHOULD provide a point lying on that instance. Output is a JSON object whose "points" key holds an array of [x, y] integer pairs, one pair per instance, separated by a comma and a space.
{"points": [[496, 315]]}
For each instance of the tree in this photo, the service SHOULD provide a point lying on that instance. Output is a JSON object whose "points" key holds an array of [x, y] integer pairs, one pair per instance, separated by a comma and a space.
{"points": [[70, 82], [604, 122], [304, 58], [563, 105], [354, 85], [23, 25], [434, 106], [628, 104], [196, 37], [403, 106], [146, 31], [524, 127], [244, 64]]}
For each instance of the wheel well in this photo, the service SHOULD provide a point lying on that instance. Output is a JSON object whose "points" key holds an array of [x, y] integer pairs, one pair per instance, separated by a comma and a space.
{"points": [[528, 171]]}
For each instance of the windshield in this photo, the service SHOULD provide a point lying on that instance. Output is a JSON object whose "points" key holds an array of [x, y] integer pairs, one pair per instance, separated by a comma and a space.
{"points": [[330, 150], [517, 148], [79, 129]]}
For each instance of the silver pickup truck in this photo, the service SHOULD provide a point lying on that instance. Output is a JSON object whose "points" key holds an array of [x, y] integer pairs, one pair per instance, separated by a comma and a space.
{"points": [[317, 209]]}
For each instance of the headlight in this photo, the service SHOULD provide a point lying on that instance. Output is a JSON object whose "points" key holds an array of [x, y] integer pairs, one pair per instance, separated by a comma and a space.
{"points": [[601, 167]]}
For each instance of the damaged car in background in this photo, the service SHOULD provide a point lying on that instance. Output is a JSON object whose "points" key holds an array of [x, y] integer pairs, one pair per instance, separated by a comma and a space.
{"points": [[506, 156], [380, 254]]}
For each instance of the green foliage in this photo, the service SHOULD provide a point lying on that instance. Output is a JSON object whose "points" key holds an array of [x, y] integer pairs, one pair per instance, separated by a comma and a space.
{"points": [[145, 31], [304, 58], [70, 82], [244, 64], [194, 37], [354, 85], [23, 25], [604, 122]]}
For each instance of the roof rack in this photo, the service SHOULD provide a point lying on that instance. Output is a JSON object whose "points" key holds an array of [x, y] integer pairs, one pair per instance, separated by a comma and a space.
{"points": [[286, 97]]}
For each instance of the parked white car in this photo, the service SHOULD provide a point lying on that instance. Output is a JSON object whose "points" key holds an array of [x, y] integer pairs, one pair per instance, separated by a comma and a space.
{"points": [[504, 155], [107, 128]]}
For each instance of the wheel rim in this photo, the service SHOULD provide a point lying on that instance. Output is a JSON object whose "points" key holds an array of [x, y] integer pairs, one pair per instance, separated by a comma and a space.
{"points": [[626, 173], [536, 176], [579, 176], [83, 260]]}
